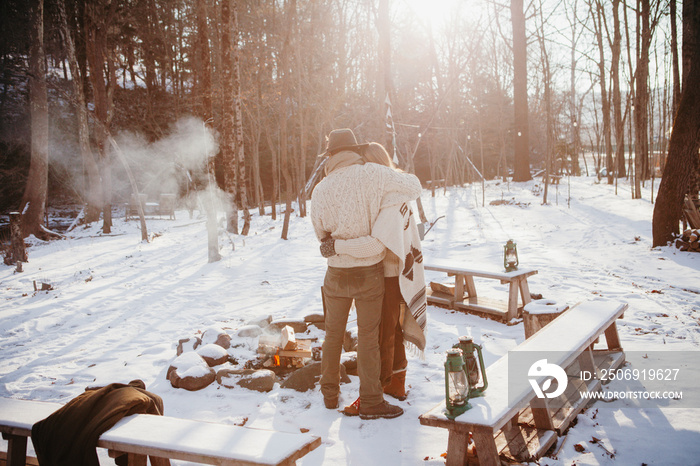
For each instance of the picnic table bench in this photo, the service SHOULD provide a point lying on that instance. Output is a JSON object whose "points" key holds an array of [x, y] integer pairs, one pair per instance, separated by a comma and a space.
{"points": [[164, 207], [510, 421], [433, 184], [161, 437], [464, 297]]}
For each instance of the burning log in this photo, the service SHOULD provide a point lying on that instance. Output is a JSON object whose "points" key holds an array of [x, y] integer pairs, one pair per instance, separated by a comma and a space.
{"points": [[285, 350]]}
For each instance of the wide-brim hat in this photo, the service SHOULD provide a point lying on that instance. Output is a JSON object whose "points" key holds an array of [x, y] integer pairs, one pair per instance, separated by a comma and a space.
{"points": [[340, 140]]}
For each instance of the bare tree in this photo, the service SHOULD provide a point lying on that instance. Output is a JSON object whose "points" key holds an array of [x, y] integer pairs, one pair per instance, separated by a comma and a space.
{"points": [[228, 116], [35, 192], [92, 186], [98, 19], [616, 46], [597, 10], [549, 117], [522, 127]]}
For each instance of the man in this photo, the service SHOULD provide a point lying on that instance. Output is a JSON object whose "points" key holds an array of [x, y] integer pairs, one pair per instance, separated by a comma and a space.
{"points": [[345, 205]]}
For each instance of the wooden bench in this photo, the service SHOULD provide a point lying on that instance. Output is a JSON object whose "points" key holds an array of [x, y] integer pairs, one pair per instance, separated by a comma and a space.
{"points": [[164, 207], [510, 421], [464, 296], [162, 437], [433, 184]]}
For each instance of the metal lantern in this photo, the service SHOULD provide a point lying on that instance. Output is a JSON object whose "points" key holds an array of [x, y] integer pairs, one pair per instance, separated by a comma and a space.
{"points": [[456, 384], [510, 256], [475, 370]]}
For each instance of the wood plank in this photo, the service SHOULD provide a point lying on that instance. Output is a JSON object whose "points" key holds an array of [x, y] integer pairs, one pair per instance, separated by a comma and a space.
{"points": [[524, 291], [457, 448], [438, 298], [16, 450], [513, 291], [481, 304], [612, 338], [459, 287], [523, 443], [485, 444], [471, 288], [541, 415], [29, 461]]}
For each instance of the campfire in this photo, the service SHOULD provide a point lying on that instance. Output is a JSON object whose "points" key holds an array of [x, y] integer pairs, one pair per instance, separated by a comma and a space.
{"points": [[284, 351]]}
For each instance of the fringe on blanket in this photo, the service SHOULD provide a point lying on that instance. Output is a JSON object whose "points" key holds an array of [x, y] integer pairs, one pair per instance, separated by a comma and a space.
{"points": [[413, 350]]}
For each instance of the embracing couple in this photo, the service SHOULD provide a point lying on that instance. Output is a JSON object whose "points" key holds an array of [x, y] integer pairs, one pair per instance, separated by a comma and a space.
{"points": [[361, 214]]}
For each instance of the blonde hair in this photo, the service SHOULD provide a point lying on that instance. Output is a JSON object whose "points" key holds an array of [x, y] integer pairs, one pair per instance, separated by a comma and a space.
{"points": [[375, 153]]}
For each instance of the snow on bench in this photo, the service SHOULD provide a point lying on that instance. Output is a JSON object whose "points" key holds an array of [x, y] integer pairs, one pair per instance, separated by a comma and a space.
{"points": [[161, 437], [509, 419]]}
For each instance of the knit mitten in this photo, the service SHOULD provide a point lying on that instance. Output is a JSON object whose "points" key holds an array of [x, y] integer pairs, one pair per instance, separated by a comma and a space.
{"points": [[328, 248]]}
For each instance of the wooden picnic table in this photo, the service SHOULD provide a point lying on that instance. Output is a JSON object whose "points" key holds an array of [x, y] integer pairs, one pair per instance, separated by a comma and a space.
{"points": [[464, 296]]}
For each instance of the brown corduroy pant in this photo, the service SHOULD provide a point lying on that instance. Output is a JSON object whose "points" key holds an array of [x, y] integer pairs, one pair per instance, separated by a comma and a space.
{"points": [[391, 349], [364, 285]]}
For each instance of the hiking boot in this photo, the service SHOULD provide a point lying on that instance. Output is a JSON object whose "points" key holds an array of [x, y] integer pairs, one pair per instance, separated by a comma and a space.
{"points": [[382, 410], [397, 386], [353, 409], [331, 403]]}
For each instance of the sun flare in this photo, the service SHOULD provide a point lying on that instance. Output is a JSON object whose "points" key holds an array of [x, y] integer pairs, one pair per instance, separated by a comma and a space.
{"points": [[436, 12]]}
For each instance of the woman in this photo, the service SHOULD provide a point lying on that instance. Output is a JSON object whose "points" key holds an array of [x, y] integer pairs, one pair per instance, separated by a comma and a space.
{"points": [[396, 232]]}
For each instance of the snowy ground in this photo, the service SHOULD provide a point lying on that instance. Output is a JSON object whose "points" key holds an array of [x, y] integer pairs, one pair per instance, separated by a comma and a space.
{"points": [[118, 307]]}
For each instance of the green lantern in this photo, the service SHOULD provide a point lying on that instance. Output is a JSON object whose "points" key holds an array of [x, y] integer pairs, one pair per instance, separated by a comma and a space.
{"points": [[456, 384], [473, 368], [510, 256]]}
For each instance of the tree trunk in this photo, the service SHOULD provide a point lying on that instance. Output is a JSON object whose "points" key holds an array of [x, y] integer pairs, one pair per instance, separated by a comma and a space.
{"points": [[35, 192], [92, 184], [96, 19], [522, 138], [605, 101], [617, 92], [575, 135], [676, 66], [203, 60], [385, 86], [240, 152], [683, 151], [547, 77], [228, 126], [284, 143], [641, 104], [301, 79], [17, 253]]}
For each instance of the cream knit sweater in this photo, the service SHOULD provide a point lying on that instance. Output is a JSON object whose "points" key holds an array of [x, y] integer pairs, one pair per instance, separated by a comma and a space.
{"points": [[346, 203]]}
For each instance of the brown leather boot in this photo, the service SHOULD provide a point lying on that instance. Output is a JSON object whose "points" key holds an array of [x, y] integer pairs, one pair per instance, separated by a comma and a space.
{"points": [[397, 386], [353, 409]]}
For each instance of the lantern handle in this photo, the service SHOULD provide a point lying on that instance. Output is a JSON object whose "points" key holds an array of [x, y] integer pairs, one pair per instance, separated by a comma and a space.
{"points": [[483, 370]]}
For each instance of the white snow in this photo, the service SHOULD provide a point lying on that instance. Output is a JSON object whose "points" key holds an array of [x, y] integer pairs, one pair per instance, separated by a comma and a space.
{"points": [[190, 365], [119, 306], [544, 306], [211, 351]]}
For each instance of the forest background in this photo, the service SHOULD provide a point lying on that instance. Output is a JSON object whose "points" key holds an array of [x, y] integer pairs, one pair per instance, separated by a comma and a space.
{"points": [[101, 99]]}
